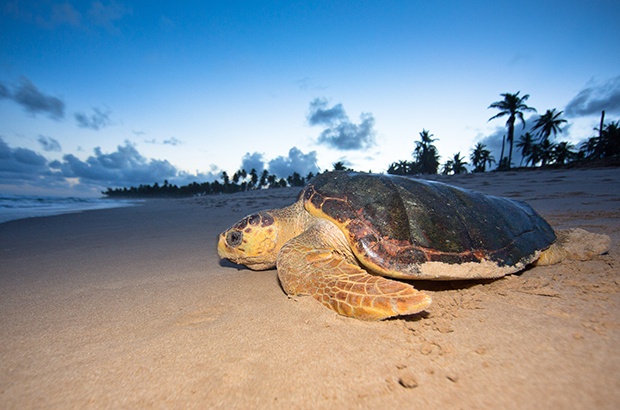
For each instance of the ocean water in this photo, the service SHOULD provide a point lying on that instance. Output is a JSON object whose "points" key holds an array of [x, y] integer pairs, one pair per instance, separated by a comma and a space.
{"points": [[19, 206]]}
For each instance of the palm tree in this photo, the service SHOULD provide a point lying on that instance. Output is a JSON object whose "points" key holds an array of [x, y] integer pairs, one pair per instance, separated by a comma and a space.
{"points": [[513, 106], [535, 155], [544, 152], [425, 154], [295, 180], [401, 168], [526, 145], [606, 144], [548, 123], [563, 152], [455, 165], [263, 179], [611, 136], [236, 176], [253, 178], [480, 156], [272, 181], [458, 165], [447, 167], [340, 166]]}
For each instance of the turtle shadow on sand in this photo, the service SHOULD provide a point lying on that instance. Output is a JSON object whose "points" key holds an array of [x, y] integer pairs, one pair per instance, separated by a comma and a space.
{"points": [[225, 263], [447, 285], [350, 234]]}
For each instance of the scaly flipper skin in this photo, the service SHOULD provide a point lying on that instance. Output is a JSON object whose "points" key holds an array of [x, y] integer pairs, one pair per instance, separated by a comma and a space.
{"points": [[319, 262]]}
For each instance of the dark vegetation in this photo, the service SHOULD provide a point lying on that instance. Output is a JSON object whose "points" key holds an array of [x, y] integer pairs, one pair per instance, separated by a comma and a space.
{"points": [[537, 147], [241, 181], [537, 150]]}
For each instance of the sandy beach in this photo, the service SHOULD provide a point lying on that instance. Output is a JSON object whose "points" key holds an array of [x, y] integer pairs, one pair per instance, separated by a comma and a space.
{"points": [[132, 308]]}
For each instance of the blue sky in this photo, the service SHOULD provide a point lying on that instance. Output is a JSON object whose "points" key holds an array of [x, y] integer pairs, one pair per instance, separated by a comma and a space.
{"points": [[115, 93]]}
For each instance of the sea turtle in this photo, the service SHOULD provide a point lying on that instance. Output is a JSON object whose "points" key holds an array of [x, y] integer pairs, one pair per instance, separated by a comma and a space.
{"points": [[348, 232]]}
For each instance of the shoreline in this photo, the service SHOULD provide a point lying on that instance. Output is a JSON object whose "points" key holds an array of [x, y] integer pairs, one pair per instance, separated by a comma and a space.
{"points": [[14, 207], [131, 307]]}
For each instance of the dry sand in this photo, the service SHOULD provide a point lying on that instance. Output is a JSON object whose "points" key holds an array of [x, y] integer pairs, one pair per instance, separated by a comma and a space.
{"points": [[131, 308]]}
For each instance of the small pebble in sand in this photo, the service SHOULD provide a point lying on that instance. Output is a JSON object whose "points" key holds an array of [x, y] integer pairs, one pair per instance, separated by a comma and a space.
{"points": [[408, 380], [426, 348]]}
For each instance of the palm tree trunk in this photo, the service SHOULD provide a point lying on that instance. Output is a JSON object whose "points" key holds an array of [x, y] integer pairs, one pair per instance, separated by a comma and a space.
{"points": [[511, 134], [600, 128]]}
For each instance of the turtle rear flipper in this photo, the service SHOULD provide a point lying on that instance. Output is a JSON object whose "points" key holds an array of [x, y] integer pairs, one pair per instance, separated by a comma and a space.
{"points": [[319, 263], [575, 244]]}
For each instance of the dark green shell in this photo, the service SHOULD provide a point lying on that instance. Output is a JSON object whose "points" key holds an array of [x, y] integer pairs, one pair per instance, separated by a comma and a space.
{"points": [[400, 221]]}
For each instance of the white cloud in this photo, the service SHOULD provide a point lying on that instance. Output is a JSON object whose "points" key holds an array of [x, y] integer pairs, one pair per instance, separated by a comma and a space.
{"points": [[595, 98], [99, 119], [296, 161], [340, 132], [253, 161], [49, 144], [34, 101]]}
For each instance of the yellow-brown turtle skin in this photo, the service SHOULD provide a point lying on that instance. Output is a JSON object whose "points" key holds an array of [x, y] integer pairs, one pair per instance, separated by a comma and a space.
{"points": [[348, 232]]}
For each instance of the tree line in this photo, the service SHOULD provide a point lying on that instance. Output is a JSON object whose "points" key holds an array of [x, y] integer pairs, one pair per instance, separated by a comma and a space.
{"points": [[536, 147], [241, 181]]}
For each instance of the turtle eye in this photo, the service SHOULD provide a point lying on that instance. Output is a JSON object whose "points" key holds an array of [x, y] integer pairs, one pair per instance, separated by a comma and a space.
{"points": [[233, 238]]}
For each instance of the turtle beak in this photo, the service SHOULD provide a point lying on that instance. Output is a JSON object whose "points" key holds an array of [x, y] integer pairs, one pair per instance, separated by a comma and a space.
{"points": [[230, 252]]}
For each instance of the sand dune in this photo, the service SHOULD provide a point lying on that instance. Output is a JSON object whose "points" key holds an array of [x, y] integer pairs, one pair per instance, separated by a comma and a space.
{"points": [[131, 307]]}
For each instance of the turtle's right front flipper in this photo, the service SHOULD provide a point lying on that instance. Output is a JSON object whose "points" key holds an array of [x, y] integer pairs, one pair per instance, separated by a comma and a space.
{"points": [[319, 263]]}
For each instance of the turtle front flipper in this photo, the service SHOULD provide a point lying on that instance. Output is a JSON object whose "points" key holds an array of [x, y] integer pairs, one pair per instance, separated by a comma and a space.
{"points": [[320, 263]]}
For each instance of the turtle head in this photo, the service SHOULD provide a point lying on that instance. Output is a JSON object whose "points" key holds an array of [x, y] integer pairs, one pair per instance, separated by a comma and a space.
{"points": [[253, 241]]}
